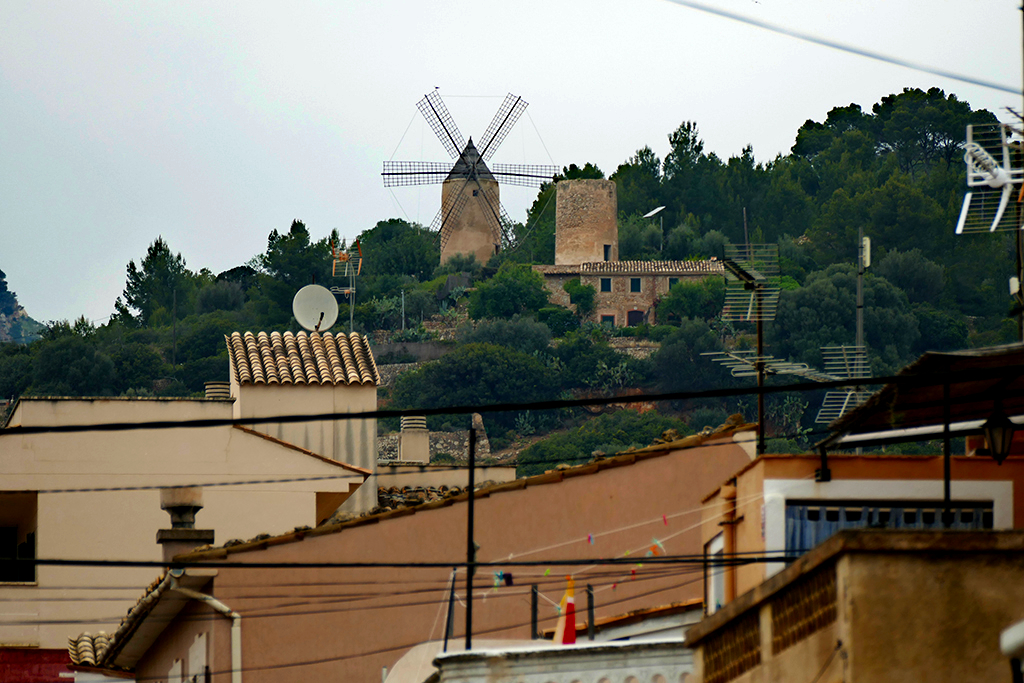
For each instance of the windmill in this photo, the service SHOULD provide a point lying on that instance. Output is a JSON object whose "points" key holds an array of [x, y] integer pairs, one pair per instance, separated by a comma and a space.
{"points": [[471, 219]]}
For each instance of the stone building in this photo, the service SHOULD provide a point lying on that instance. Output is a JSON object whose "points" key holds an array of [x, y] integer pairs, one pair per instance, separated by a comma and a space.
{"points": [[587, 248]]}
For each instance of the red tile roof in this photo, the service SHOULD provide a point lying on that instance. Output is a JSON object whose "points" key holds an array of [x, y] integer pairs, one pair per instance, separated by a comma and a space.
{"points": [[316, 358]]}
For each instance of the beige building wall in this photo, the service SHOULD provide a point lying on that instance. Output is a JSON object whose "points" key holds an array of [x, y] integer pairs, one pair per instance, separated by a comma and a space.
{"points": [[586, 220], [353, 442], [122, 525], [472, 231]]}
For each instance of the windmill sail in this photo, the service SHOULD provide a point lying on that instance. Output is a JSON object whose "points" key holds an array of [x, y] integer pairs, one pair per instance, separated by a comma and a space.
{"points": [[507, 115], [441, 122]]}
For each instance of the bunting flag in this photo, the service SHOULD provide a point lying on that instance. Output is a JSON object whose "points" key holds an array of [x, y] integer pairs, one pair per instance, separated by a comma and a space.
{"points": [[565, 630]]}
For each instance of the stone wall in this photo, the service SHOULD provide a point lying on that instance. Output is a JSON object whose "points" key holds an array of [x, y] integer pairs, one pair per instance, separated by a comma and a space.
{"points": [[586, 219], [389, 373], [454, 444], [635, 348]]}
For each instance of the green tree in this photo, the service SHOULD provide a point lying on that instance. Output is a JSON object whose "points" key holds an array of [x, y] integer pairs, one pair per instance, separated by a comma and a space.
{"points": [[520, 333], [823, 313], [8, 301], [607, 434], [396, 247], [638, 183], [514, 289], [582, 297], [678, 364], [699, 300], [154, 285], [71, 366], [477, 374], [921, 279]]}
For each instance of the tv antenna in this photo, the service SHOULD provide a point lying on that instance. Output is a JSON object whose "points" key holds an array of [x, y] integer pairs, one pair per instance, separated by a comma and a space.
{"points": [[347, 262], [469, 186], [752, 295], [994, 172], [315, 308]]}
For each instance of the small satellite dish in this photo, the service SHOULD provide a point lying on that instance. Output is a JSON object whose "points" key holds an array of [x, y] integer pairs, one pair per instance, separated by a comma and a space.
{"points": [[315, 308]]}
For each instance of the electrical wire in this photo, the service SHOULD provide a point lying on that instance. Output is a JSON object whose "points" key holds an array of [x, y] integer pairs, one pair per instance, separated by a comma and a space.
{"points": [[842, 47]]}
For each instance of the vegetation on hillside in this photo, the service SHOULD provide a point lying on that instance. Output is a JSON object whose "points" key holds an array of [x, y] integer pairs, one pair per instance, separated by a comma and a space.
{"points": [[893, 171]]}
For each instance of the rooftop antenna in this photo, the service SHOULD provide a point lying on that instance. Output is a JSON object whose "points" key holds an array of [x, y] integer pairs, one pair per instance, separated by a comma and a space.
{"points": [[752, 295], [315, 308], [480, 181], [843, 362], [347, 262], [994, 172]]}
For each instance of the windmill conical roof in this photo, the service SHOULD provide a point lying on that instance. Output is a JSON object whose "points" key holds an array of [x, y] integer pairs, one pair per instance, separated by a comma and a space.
{"points": [[470, 164]]}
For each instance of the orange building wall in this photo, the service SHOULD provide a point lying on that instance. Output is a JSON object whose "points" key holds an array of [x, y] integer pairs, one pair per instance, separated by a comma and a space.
{"points": [[348, 623]]}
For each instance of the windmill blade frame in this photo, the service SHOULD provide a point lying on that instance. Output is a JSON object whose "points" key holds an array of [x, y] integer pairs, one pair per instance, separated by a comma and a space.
{"points": [[497, 217], [524, 175], [404, 173], [440, 120], [512, 107], [448, 214]]}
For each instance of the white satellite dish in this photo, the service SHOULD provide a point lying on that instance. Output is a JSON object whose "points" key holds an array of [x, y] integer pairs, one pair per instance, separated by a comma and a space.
{"points": [[315, 308]]}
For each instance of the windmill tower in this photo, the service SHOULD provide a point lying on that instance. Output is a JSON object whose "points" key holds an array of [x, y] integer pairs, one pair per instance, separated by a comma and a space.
{"points": [[471, 219]]}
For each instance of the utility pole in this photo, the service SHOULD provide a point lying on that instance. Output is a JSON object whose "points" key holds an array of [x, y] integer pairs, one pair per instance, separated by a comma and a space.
{"points": [[470, 544]]}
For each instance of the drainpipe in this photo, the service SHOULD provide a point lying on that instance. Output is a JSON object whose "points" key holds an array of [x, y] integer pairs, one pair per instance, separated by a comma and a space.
{"points": [[236, 625]]}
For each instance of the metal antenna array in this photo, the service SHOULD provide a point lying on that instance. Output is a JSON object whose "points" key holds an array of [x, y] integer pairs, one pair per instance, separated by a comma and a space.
{"points": [[347, 262], [993, 173], [751, 282], [470, 165], [843, 362]]}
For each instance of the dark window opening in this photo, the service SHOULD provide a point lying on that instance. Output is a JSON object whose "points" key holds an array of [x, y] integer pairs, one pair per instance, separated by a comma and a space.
{"points": [[608, 320], [17, 536], [476, 193], [607, 252], [634, 284], [634, 318], [672, 282], [606, 284]]}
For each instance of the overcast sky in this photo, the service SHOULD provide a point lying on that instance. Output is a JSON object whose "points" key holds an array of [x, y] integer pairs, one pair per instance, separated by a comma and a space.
{"points": [[212, 123]]}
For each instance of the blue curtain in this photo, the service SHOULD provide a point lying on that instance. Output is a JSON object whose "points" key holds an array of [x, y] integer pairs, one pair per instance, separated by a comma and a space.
{"points": [[809, 525]]}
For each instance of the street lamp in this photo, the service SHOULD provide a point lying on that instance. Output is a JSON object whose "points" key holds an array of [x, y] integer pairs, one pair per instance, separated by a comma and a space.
{"points": [[998, 430], [661, 222]]}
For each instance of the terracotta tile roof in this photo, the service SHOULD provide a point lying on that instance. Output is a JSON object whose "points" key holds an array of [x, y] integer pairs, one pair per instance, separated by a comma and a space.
{"points": [[99, 650], [315, 358], [709, 267]]}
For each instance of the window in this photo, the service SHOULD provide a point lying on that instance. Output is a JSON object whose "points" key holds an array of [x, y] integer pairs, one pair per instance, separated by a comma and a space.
{"points": [[607, 252], [809, 523], [672, 282], [634, 318], [608, 320], [476, 193], [634, 284], [17, 535], [606, 284], [714, 595]]}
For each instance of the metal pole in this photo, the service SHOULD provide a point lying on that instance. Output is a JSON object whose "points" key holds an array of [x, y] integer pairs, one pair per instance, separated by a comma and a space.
{"points": [[860, 299], [946, 474], [860, 286], [174, 329], [403, 310], [590, 612], [760, 375], [351, 302], [449, 625], [470, 545], [534, 596]]}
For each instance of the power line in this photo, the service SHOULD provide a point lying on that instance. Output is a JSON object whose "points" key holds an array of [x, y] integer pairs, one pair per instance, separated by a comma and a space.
{"points": [[842, 47]]}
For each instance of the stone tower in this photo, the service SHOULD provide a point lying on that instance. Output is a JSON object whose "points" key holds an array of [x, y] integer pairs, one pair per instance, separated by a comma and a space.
{"points": [[586, 222], [475, 228]]}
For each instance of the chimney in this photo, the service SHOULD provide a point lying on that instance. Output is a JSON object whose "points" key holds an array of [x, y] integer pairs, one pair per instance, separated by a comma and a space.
{"points": [[414, 441], [182, 503], [218, 389]]}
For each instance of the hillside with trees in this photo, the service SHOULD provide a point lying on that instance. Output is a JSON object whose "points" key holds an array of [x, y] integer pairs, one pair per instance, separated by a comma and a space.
{"points": [[893, 169]]}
